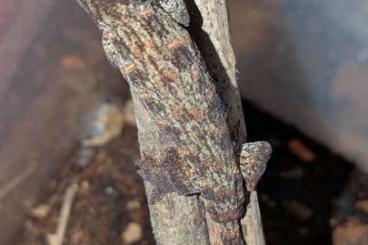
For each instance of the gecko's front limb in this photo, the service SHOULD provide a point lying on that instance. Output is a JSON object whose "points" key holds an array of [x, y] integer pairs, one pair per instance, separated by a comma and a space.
{"points": [[253, 160]]}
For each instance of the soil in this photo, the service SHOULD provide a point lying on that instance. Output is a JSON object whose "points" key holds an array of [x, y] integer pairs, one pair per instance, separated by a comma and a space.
{"points": [[110, 197], [298, 194], [300, 191]]}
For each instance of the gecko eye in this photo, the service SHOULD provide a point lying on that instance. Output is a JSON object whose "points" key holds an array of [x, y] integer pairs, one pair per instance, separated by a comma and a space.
{"points": [[112, 54]]}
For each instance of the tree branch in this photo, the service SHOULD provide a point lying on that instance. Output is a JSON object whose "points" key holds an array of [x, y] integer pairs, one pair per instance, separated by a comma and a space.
{"points": [[211, 29]]}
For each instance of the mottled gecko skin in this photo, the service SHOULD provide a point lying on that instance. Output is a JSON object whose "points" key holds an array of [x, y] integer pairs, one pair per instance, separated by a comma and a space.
{"points": [[169, 78]]}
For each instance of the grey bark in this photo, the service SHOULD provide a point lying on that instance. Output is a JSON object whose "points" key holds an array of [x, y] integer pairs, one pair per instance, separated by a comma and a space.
{"points": [[216, 27], [175, 219]]}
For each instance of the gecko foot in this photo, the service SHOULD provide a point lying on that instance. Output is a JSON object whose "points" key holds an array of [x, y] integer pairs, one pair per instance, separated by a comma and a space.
{"points": [[253, 161]]}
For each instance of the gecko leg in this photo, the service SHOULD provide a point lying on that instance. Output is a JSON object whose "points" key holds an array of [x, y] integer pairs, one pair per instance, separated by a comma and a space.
{"points": [[253, 161], [177, 10]]}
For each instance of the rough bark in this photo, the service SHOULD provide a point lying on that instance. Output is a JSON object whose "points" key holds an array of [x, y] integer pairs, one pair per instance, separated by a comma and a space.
{"points": [[175, 219]]}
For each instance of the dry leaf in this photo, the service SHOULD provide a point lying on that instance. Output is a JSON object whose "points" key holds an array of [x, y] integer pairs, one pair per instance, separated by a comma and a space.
{"points": [[300, 150]]}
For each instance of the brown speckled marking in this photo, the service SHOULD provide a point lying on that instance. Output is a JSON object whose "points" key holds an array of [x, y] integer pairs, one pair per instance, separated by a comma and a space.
{"points": [[137, 50], [195, 74], [195, 114], [168, 80], [146, 13], [175, 43], [127, 69], [171, 74], [162, 123], [145, 96], [149, 44], [184, 151], [209, 97], [178, 112]]}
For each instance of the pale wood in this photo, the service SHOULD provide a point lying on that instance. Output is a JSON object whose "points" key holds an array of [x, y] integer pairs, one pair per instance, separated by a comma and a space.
{"points": [[174, 219]]}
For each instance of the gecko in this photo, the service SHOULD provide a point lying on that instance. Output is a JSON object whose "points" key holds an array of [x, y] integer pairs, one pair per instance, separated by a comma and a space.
{"points": [[147, 41]]}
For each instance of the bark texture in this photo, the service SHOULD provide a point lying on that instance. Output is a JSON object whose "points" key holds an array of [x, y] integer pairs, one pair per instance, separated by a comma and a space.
{"points": [[175, 219]]}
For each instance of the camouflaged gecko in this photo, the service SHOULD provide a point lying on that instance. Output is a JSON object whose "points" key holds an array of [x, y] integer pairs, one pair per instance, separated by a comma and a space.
{"points": [[146, 40]]}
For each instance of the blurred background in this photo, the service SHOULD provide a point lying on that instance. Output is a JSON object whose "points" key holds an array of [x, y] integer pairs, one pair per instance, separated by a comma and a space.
{"points": [[66, 118]]}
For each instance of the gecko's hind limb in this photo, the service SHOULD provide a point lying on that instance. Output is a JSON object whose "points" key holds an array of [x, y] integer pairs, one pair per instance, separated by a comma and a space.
{"points": [[253, 161]]}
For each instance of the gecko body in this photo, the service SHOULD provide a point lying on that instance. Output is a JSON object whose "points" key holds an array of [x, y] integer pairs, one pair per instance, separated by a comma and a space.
{"points": [[169, 79]]}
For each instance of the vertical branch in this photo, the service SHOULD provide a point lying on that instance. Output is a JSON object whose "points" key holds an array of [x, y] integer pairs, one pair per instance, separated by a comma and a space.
{"points": [[214, 41], [178, 220]]}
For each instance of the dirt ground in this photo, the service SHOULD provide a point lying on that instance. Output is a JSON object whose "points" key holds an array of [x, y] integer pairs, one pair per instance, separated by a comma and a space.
{"points": [[304, 193], [109, 199]]}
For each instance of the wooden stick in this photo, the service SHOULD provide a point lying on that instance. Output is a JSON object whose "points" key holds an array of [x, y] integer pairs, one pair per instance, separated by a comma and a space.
{"points": [[221, 61]]}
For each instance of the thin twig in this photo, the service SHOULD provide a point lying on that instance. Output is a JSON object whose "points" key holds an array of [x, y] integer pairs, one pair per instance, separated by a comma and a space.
{"points": [[58, 237], [16, 181]]}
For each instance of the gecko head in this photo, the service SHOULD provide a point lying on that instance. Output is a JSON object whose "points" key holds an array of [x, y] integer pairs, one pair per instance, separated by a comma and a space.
{"points": [[103, 12], [108, 16]]}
